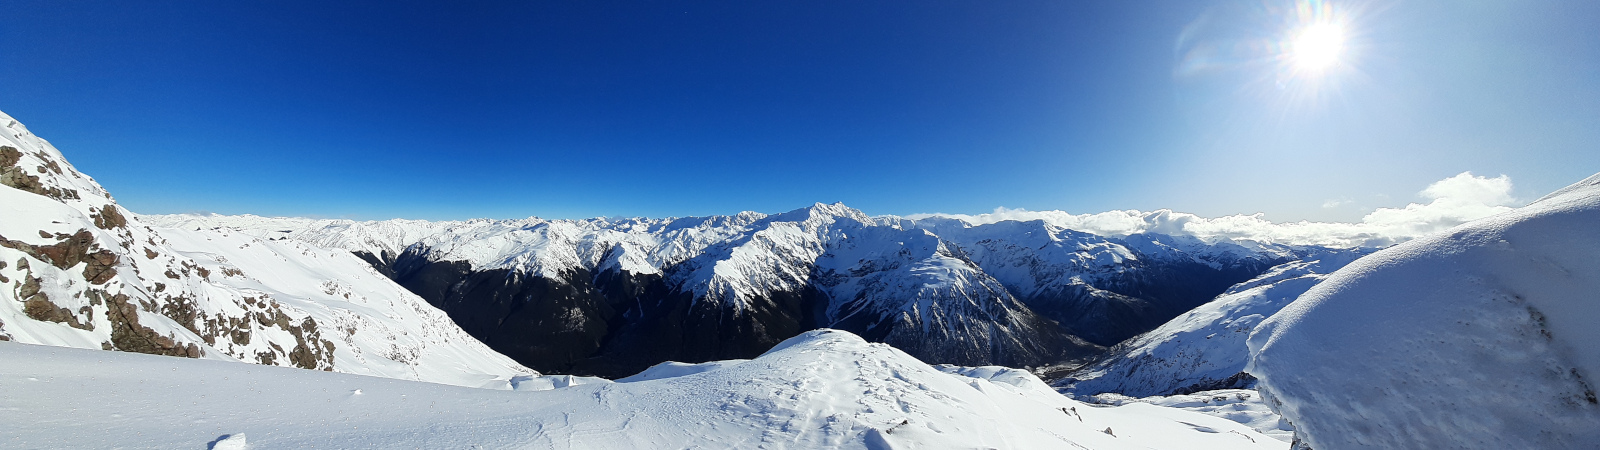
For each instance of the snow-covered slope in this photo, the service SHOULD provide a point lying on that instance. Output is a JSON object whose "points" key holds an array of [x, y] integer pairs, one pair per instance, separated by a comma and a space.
{"points": [[1483, 336], [1244, 406], [76, 270], [613, 296], [823, 389], [1089, 282], [1203, 349]]}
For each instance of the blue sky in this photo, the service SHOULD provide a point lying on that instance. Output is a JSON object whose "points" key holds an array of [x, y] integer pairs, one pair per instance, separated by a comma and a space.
{"points": [[441, 110]]}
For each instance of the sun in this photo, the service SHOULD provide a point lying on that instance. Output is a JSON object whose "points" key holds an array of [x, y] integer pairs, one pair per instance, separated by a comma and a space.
{"points": [[1317, 47]]}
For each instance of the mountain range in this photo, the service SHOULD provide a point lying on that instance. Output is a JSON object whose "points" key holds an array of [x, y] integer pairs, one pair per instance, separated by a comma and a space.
{"points": [[610, 297]]}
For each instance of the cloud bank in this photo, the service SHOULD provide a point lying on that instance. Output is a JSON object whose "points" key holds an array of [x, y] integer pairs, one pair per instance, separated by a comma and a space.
{"points": [[1451, 201]]}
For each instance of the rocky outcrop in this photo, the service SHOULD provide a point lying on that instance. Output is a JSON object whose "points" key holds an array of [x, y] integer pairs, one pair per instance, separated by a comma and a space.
{"points": [[16, 175], [77, 270]]}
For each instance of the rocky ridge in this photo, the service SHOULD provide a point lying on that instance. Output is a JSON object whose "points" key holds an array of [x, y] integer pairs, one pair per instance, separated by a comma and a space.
{"points": [[77, 270]]}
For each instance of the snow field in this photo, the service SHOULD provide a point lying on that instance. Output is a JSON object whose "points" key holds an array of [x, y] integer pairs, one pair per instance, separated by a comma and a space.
{"points": [[823, 389]]}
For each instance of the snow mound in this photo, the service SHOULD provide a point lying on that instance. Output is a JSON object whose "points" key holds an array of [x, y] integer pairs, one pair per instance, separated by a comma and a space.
{"points": [[822, 389], [1480, 337], [548, 382], [674, 369]]}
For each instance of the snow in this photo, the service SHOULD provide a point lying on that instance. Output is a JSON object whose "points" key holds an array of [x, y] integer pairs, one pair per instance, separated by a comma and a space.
{"points": [[231, 442], [211, 294], [383, 329], [1451, 201], [1203, 348], [1244, 406], [950, 291], [1483, 336], [739, 257], [674, 369], [823, 389]]}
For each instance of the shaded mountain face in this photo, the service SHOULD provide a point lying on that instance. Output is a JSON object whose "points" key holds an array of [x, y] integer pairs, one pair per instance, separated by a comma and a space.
{"points": [[76, 270], [611, 297]]}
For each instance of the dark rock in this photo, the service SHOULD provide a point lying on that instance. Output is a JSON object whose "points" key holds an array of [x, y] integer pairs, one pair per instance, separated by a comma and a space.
{"points": [[15, 176], [129, 336], [108, 217], [1241, 380]]}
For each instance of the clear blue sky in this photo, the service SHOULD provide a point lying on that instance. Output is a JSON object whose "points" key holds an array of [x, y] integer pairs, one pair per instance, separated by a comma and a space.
{"points": [[666, 108]]}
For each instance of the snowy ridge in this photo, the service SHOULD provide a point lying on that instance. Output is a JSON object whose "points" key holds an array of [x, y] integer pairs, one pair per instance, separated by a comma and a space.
{"points": [[1203, 349], [1451, 201], [943, 289], [78, 271], [822, 389], [1483, 336]]}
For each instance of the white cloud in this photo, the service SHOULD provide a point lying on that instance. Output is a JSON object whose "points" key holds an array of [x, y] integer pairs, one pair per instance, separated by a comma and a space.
{"points": [[1471, 188], [1452, 201], [1336, 202]]}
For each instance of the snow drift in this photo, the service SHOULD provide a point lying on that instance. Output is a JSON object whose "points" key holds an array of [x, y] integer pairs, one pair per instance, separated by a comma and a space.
{"points": [[1484, 336]]}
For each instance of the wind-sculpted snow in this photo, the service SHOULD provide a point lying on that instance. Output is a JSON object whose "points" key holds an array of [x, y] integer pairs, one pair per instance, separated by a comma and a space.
{"points": [[1480, 337], [822, 389], [1203, 349], [78, 271]]}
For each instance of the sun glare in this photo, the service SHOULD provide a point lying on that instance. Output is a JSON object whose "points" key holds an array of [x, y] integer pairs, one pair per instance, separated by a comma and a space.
{"points": [[1318, 47]]}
